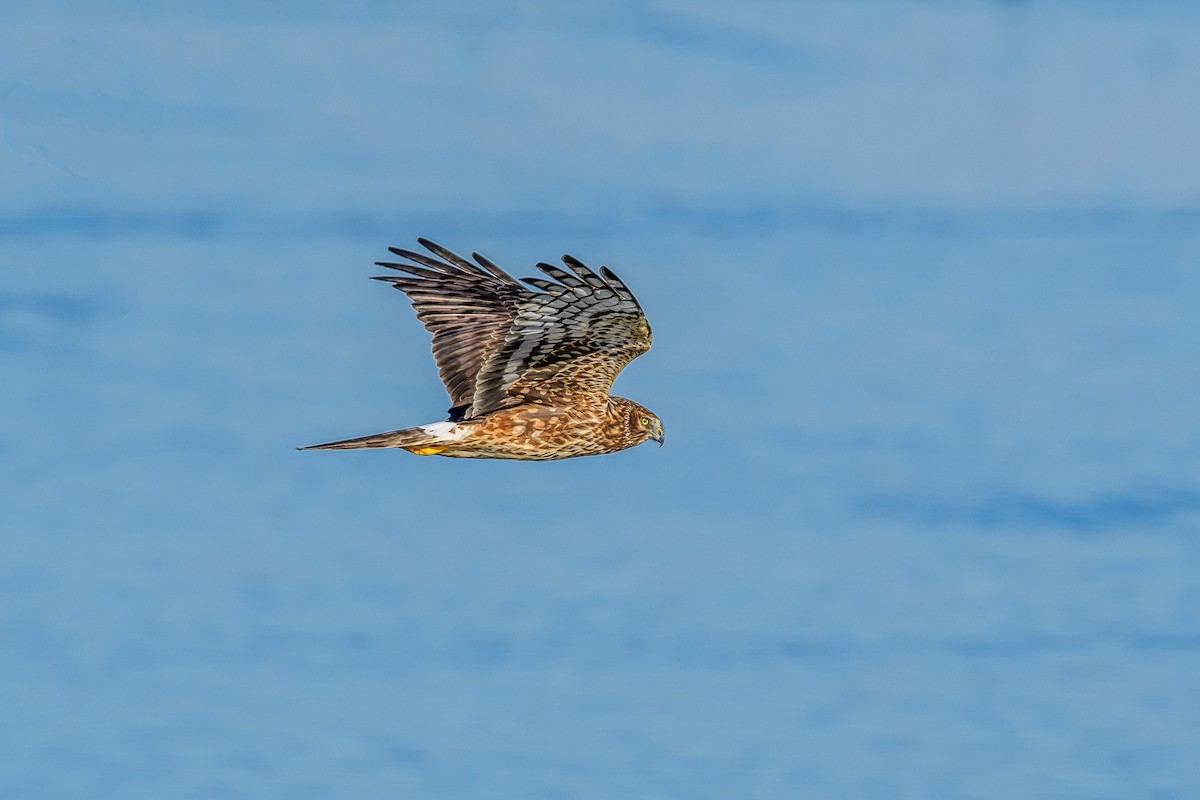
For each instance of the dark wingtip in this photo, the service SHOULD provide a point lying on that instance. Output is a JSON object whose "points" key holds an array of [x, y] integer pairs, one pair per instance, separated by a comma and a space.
{"points": [[491, 267], [453, 258], [584, 271]]}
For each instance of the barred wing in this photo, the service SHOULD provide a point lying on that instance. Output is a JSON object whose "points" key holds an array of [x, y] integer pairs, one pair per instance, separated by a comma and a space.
{"points": [[467, 307], [499, 343]]}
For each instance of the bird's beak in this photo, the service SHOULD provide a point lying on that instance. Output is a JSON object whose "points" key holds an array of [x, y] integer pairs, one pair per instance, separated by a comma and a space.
{"points": [[659, 437]]}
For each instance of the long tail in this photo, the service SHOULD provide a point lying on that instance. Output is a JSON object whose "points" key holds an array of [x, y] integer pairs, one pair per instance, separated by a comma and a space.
{"points": [[415, 440]]}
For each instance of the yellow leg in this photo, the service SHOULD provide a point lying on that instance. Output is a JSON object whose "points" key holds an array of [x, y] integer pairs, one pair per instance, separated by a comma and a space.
{"points": [[428, 450]]}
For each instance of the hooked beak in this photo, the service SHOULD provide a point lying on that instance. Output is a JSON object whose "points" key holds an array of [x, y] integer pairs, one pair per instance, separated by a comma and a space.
{"points": [[659, 436]]}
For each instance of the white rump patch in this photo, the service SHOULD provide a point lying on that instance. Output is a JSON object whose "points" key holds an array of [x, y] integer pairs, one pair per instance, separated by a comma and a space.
{"points": [[445, 431]]}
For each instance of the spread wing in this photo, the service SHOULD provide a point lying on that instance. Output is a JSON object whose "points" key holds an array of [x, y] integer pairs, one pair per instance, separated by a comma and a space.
{"points": [[499, 343]]}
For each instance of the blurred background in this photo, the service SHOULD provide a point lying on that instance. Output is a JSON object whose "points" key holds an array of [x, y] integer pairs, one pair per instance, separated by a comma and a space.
{"points": [[923, 279]]}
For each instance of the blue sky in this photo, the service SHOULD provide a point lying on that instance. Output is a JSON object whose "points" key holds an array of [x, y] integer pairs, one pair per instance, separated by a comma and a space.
{"points": [[922, 277], [603, 110]]}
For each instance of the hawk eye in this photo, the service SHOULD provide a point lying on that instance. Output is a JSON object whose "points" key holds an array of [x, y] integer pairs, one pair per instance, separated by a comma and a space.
{"points": [[645, 422]]}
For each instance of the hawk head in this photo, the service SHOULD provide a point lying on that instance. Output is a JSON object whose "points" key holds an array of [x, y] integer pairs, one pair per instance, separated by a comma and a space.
{"points": [[638, 424]]}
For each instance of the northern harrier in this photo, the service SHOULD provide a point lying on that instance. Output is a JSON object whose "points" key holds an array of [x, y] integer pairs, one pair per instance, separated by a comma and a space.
{"points": [[528, 371]]}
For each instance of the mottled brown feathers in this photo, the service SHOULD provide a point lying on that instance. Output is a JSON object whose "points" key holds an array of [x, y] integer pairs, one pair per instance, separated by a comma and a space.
{"points": [[528, 370]]}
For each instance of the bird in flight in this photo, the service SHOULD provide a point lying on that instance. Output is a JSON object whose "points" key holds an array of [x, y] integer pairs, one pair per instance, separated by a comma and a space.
{"points": [[528, 370]]}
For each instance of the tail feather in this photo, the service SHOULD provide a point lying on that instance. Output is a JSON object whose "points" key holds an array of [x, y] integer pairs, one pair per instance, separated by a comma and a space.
{"points": [[406, 438]]}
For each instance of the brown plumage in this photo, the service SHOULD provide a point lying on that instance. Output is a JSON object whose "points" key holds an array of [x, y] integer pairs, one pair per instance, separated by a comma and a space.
{"points": [[528, 371]]}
